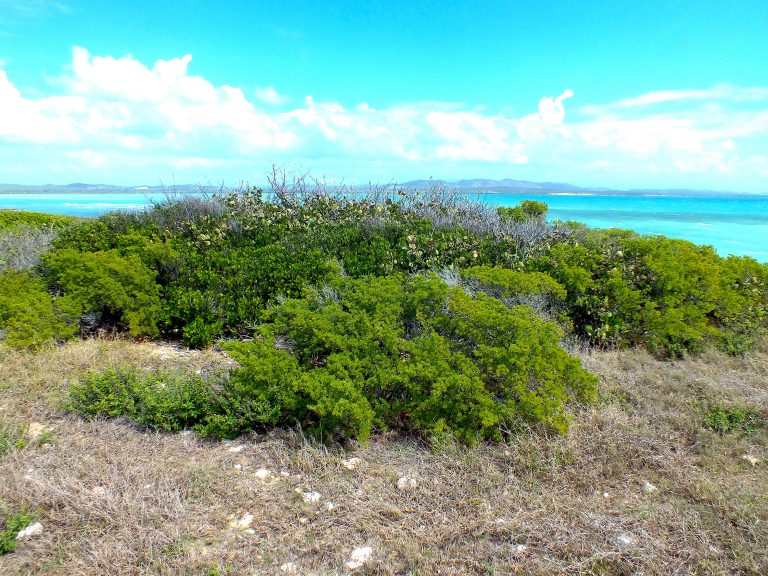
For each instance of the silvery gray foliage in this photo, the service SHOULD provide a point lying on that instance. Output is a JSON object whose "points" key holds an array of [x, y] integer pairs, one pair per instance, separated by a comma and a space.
{"points": [[22, 246]]}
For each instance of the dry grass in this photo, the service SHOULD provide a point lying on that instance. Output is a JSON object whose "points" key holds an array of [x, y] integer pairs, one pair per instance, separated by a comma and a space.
{"points": [[114, 499]]}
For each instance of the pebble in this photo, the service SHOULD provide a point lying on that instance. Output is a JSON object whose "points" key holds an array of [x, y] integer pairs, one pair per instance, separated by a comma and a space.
{"points": [[289, 568], [309, 497], [32, 530], [649, 488], [751, 459], [263, 473], [359, 557], [351, 464], [244, 522], [236, 449], [406, 483]]}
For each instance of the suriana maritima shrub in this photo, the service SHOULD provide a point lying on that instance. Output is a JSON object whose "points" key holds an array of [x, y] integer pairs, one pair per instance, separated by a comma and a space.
{"points": [[29, 316], [219, 263], [409, 353], [112, 289], [431, 313]]}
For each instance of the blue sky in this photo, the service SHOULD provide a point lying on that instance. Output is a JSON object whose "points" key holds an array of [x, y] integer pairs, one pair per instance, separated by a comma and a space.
{"points": [[653, 94]]}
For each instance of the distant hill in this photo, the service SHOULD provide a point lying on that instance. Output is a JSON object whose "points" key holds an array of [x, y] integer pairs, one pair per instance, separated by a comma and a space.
{"points": [[81, 188], [510, 186], [486, 185]]}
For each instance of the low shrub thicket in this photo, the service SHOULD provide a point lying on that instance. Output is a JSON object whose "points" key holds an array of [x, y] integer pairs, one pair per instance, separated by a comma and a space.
{"points": [[12, 218], [201, 268], [401, 352], [671, 296], [22, 246], [111, 289], [169, 401], [29, 316], [381, 345], [729, 418]]}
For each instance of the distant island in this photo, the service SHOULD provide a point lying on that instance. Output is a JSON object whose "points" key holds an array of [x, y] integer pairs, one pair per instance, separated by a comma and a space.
{"points": [[481, 185]]}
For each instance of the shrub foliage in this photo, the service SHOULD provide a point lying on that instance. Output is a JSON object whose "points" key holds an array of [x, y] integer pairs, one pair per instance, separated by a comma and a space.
{"points": [[377, 352], [350, 330]]}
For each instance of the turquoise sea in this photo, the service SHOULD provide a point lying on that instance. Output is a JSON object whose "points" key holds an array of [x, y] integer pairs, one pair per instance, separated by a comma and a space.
{"points": [[732, 224]]}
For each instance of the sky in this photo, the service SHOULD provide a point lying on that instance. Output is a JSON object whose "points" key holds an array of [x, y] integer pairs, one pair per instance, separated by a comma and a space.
{"points": [[651, 94]]}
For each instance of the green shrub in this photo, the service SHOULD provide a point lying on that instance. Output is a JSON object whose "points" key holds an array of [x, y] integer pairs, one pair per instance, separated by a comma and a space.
{"points": [[12, 218], [671, 296], [536, 289], [725, 419], [413, 354], [117, 289], [169, 401], [526, 210], [29, 317], [221, 262], [361, 354], [14, 523]]}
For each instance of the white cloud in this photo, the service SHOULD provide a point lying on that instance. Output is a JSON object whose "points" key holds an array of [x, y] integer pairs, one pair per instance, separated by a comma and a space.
{"points": [[118, 114], [269, 95]]}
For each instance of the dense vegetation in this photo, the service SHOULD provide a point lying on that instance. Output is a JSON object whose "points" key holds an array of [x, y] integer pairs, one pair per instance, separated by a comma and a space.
{"points": [[420, 311], [394, 351]]}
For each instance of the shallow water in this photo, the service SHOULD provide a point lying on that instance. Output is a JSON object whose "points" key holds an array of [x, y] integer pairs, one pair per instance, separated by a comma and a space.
{"points": [[732, 224]]}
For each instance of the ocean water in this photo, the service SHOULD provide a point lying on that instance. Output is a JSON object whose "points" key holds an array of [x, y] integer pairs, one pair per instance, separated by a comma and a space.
{"points": [[735, 225], [732, 224]]}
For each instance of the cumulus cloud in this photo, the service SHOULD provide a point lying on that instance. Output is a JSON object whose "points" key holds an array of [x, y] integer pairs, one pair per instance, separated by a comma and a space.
{"points": [[119, 113], [705, 136], [269, 95]]}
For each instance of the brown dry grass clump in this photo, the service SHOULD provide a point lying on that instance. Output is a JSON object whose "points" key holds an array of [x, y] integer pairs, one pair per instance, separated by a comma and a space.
{"points": [[115, 499]]}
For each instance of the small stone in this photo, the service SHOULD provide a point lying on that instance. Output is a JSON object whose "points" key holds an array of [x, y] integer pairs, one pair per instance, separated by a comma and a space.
{"points": [[236, 449], [289, 568], [263, 473], [284, 474], [606, 495], [99, 490], [303, 520], [406, 483], [243, 523], [29, 531], [624, 540], [649, 488], [359, 557], [751, 459], [238, 467], [329, 506], [500, 520], [351, 464], [250, 531], [309, 497], [520, 548]]}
